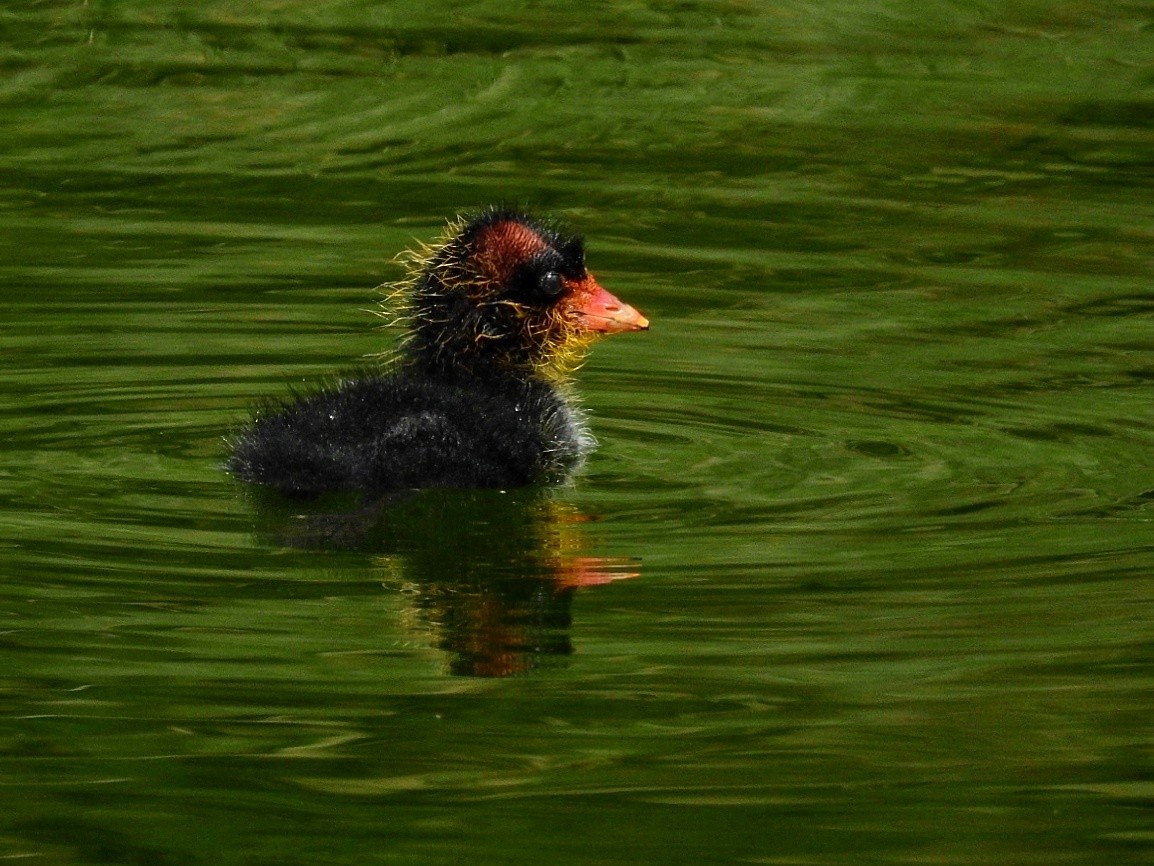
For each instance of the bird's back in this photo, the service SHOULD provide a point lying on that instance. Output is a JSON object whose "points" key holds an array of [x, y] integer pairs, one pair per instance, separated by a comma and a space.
{"points": [[409, 431]]}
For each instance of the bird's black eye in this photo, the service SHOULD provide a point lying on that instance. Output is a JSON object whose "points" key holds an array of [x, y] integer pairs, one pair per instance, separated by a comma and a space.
{"points": [[551, 284]]}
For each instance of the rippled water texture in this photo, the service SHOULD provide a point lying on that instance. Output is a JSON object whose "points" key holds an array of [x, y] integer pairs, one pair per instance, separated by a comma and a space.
{"points": [[861, 572]]}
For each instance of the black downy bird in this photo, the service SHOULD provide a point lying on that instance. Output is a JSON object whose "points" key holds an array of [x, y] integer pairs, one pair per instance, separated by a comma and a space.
{"points": [[499, 312]]}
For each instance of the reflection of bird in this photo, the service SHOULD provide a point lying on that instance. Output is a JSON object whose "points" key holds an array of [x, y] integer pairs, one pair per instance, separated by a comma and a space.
{"points": [[489, 576], [499, 312]]}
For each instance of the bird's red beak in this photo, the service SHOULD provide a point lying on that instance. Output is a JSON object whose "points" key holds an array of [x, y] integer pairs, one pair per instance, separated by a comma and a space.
{"points": [[602, 312]]}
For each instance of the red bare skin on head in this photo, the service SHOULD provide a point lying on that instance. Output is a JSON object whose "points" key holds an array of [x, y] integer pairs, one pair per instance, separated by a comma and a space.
{"points": [[500, 248]]}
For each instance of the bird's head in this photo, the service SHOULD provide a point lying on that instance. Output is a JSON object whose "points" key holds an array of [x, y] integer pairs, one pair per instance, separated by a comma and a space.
{"points": [[503, 293]]}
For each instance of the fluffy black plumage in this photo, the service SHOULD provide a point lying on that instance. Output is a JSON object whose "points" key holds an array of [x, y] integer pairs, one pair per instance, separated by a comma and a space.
{"points": [[498, 312], [410, 430]]}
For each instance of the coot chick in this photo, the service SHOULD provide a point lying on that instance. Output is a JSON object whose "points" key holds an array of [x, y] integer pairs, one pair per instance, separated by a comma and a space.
{"points": [[498, 313]]}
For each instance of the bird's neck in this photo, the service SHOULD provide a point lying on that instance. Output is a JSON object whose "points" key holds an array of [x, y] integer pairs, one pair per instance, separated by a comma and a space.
{"points": [[470, 370]]}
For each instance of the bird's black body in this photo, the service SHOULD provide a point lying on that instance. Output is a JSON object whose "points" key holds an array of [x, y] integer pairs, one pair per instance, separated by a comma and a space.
{"points": [[498, 313], [406, 430]]}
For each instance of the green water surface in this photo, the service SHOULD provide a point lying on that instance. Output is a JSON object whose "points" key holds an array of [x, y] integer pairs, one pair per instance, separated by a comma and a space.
{"points": [[861, 572]]}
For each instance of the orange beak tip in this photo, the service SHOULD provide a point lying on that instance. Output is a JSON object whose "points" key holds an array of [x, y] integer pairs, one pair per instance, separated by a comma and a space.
{"points": [[602, 312]]}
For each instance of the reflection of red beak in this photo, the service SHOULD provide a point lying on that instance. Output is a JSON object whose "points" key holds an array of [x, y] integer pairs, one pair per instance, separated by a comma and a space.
{"points": [[600, 311], [584, 571]]}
